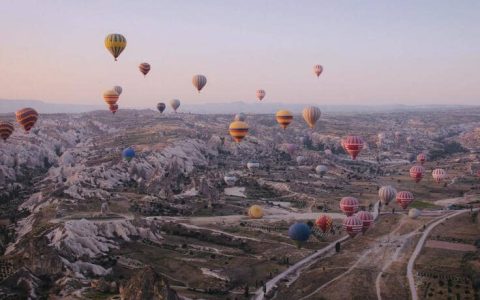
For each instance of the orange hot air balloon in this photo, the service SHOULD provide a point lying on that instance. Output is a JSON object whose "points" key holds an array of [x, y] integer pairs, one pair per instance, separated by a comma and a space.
{"points": [[353, 145], [324, 222], [144, 68], [113, 108], [238, 130], [311, 114], [260, 94], [110, 97], [317, 69], [284, 118], [6, 130], [27, 117]]}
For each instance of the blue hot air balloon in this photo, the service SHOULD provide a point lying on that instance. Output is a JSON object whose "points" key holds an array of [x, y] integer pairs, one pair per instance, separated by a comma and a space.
{"points": [[299, 233], [128, 154]]}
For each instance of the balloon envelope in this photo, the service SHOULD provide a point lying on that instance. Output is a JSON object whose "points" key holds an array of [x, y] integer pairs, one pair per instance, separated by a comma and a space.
{"points": [[6, 130], [26, 117], [115, 44], [128, 153]]}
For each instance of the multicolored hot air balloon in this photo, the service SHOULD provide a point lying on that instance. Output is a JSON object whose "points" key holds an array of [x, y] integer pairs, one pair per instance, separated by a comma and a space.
{"points": [[421, 158], [115, 43], [353, 145], [230, 180], [317, 69], [366, 218], [311, 114], [386, 194], [414, 213], [118, 89], [284, 118], [352, 225], [255, 212], [416, 173], [27, 117], [439, 175], [199, 81], [324, 222], [144, 68], [299, 233], [260, 94], [110, 97], [238, 130], [240, 117], [349, 205], [404, 198], [321, 170], [128, 154], [113, 108], [161, 107], [6, 130], [175, 104]]}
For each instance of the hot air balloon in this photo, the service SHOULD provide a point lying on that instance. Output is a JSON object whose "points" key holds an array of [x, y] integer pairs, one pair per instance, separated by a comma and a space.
{"points": [[311, 114], [321, 170], [284, 118], [238, 130], [175, 104], [349, 205], [353, 145], [291, 149], [324, 222], [416, 173], [161, 106], [230, 180], [410, 140], [299, 233], [352, 225], [199, 81], [386, 194], [144, 68], [113, 108], [118, 89], [421, 158], [115, 43], [128, 153], [300, 160], [255, 212], [439, 175], [253, 166], [260, 94], [317, 69], [27, 117], [240, 117], [404, 199], [6, 130], [110, 97], [366, 218], [414, 213]]}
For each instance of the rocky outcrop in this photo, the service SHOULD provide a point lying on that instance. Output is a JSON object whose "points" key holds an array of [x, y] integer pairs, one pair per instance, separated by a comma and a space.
{"points": [[147, 284]]}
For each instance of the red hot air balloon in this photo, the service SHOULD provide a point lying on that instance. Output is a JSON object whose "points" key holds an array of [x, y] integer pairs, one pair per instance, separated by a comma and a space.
{"points": [[421, 158], [353, 145], [260, 94], [404, 198], [416, 172], [144, 68], [324, 222], [27, 117], [352, 225], [113, 108], [6, 130], [439, 175], [349, 205], [366, 218]]}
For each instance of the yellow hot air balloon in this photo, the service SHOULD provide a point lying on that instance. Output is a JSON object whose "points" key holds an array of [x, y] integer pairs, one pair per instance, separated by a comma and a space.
{"points": [[238, 130], [115, 44], [311, 114], [255, 212], [284, 118]]}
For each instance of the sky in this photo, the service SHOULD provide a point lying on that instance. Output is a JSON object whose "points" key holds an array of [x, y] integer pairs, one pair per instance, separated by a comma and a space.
{"points": [[373, 52]]}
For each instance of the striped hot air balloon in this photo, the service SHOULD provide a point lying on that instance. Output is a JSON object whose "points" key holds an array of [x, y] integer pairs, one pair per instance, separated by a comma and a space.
{"points": [[324, 222], [311, 114], [144, 68], [113, 108], [255, 212], [404, 198], [439, 175], [284, 118], [353, 145], [199, 81], [386, 194], [352, 225], [175, 104], [110, 97], [366, 218], [27, 117], [115, 44], [6, 130], [317, 69], [118, 89], [260, 94], [238, 130], [349, 205], [421, 158], [416, 173]]}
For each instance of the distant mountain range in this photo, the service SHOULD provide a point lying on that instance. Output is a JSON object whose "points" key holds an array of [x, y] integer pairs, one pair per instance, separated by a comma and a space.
{"points": [[9, 106]]}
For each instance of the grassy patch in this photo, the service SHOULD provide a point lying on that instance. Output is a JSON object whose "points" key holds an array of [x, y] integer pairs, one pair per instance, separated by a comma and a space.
{"points": [[423, 205]]}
